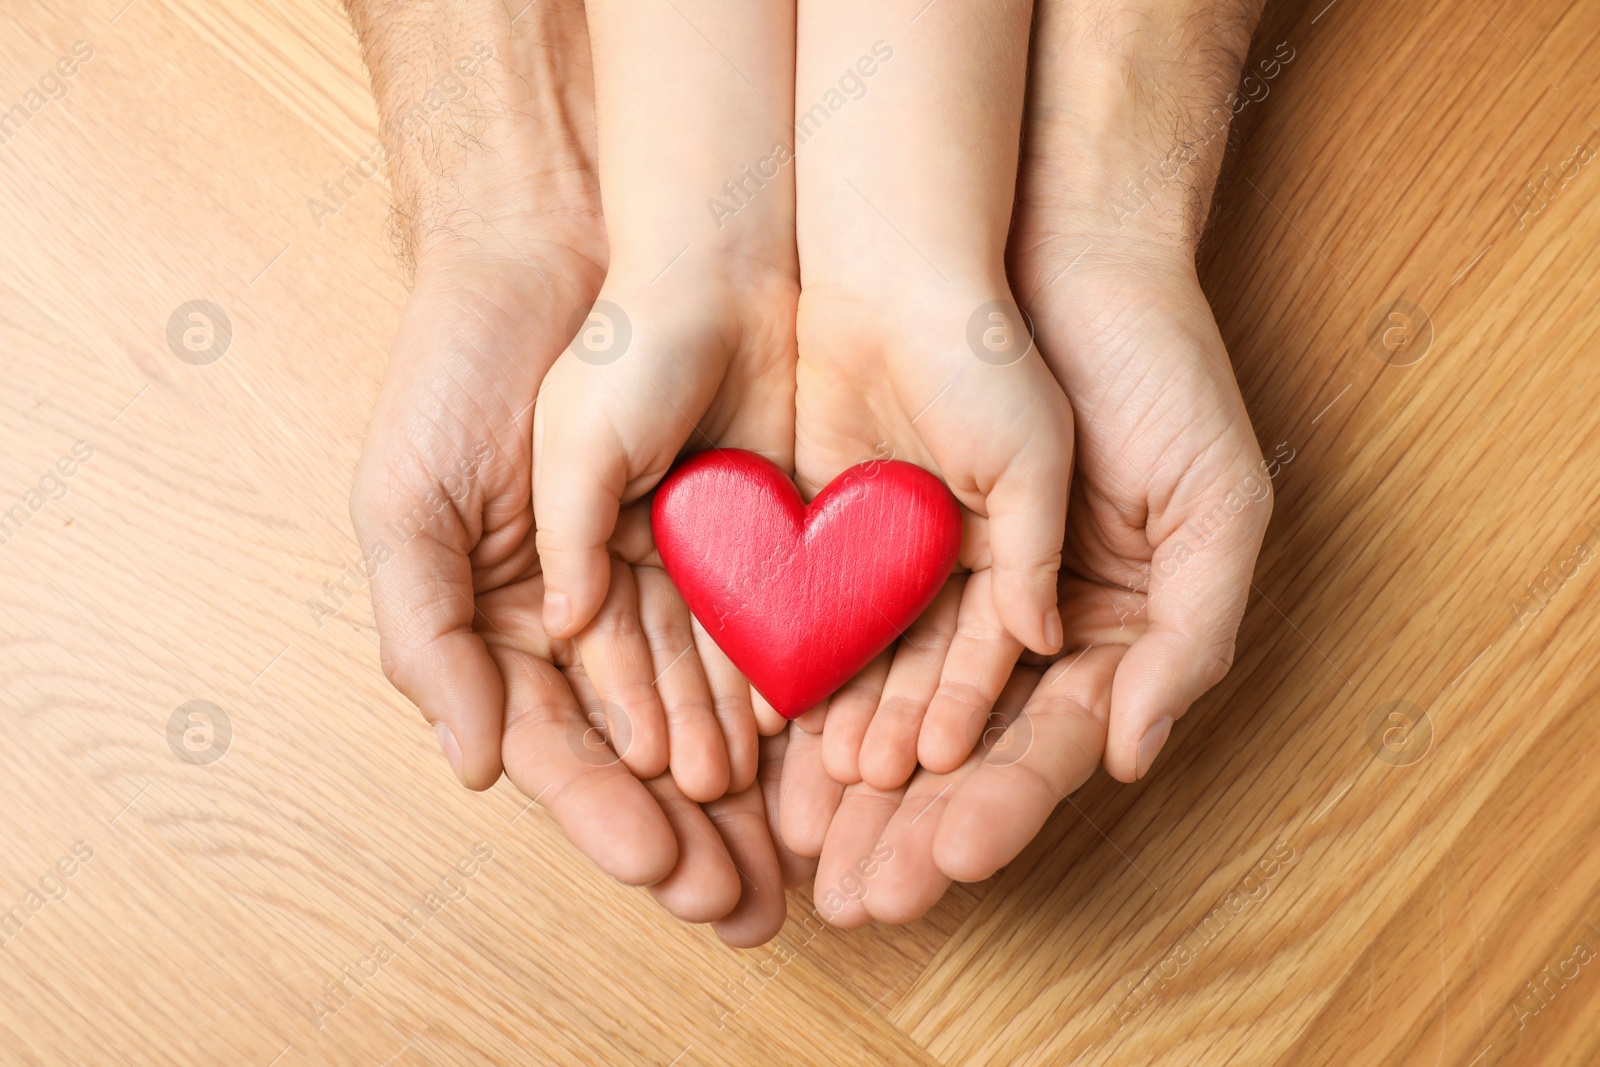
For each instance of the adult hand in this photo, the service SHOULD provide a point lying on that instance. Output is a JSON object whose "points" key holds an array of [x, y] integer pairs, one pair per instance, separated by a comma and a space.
{"points": [[715, 862], [1171, 497], [496, 199], [890, 855]]}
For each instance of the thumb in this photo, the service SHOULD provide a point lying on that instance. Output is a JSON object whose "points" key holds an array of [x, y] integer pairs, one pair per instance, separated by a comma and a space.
{"points": [[1199, 584], [422, 599], [1027, 511], [580, 471]]}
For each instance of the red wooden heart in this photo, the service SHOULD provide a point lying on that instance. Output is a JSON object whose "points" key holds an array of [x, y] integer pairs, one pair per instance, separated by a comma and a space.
{"points": [[802, 597]]}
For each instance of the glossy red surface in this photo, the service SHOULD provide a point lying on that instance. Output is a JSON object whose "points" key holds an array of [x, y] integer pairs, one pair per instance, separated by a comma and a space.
{"points": [[799, 596]]}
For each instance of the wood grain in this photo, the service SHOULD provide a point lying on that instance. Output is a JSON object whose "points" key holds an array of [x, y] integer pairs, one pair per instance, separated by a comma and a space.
{"points": [[1296, 884]]}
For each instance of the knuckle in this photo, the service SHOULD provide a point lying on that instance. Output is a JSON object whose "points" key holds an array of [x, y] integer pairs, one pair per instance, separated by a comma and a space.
{"points": [[963, 697], [860, 689], [932, 631], [980, 630], [396, 667], [730, 707], [547, 542], [377, 488], [739, 820], [671, 642], [903, 707], [1037, 576], [1070, 711], [635, 700], [616, 626], [688, 712]]}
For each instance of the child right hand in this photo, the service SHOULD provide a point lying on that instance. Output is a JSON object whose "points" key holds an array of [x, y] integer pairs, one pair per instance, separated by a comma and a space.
{"points": [[689, 346], [700, 363]]}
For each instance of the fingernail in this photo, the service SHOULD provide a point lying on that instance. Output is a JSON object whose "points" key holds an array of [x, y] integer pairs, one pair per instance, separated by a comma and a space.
{"points": [[557, 610], [1150, 744], [1052, 629], [447, 742]]}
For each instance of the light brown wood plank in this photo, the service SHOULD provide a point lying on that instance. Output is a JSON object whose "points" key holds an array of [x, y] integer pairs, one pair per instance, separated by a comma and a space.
{"points": [[1408, 906]]}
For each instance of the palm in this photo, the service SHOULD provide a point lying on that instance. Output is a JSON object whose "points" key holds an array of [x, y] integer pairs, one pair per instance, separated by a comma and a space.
{"points": [[877, 383], [445, 485], [1170, 500], [444, 480]]}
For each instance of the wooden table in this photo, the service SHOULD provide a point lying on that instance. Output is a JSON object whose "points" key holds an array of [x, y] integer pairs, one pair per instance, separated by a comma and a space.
{"points": [[1372, 844]]}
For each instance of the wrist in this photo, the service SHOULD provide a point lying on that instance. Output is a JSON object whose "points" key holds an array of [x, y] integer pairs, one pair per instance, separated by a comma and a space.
{"points": [[732, 273], [922, 327], [539, 274], [855, 253]]}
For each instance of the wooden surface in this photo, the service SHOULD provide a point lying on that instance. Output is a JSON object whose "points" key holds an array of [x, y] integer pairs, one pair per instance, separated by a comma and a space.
{"points": [[1407, 886]]}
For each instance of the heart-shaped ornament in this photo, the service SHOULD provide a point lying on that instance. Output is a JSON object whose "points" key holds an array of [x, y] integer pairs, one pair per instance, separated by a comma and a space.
{"points": [[800, 596]]}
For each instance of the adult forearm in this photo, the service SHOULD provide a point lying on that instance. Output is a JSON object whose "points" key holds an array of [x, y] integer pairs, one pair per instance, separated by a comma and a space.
{"points": [[1130, 103], [487, 119]]}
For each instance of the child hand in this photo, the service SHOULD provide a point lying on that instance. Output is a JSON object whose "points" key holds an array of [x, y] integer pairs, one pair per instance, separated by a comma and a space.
{"points": [[911, 346], [897, 378], [701, 366], [689, 346]]}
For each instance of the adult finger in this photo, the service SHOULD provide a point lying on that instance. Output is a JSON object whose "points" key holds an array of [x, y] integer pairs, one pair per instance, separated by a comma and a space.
{"points": [[902, 880], [908, 881], [423, 600], [616, 657], [740, 818], [1200, 578], [843, 876], [605, 811], [704, 886], [1045, 753]]}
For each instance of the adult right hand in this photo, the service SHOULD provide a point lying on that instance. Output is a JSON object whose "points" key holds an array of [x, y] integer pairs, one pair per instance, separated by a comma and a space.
{"points": [[1171, 496]]}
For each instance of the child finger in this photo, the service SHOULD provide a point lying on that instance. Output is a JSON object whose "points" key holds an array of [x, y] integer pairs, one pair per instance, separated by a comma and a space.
{"points": [[809, 796], [616, 657], [889, 751], [730, 697], [698, 753], [975, 671], [849, 714], [796, 869]]}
